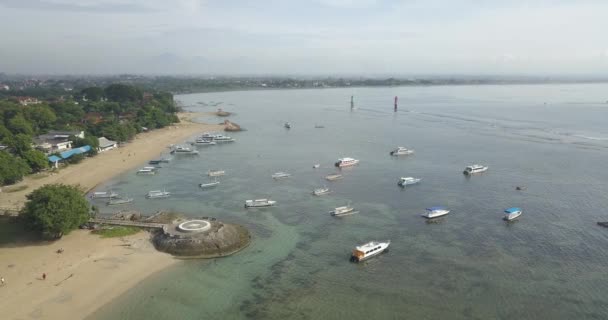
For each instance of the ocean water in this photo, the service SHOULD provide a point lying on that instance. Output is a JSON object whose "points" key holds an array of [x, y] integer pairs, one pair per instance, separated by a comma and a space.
{"points": [[551, 264]]}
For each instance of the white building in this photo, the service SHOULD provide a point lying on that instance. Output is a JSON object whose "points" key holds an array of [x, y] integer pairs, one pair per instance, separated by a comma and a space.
{"points": [[106, 144]]}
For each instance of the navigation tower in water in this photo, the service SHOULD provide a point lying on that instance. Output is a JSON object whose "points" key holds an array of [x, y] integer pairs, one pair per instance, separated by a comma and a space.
{"points": [[396, 98]]}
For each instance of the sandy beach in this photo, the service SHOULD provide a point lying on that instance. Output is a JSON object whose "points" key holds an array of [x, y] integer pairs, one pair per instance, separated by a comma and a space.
{"points": [[93, 171], [89, 273]]}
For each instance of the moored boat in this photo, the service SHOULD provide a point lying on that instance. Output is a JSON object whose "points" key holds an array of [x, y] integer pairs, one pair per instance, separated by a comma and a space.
{"points": [[104, 195], [401, 151], [155, 194], [209, 184], [316, 166], [280, 175], [216, 173], [203, 142], [342, 211], [258, 203], [512, 214], [473, 169], [119, 201], [346, 162], [404, 181], [333, 177], [287, 125], [184, 150], [146, 171], [435, 212], [368, 250], [320, 191]]}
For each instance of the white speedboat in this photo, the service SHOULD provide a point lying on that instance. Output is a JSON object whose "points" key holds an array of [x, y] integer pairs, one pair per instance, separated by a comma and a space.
{"points": [[346, 162], [342, 211], [222, 138], [147, 171], [435, 212], [156, 194], [280, 175], [401, 151], [333, 177], [404, 181], [104, 195], [203, 142], [184, 150], [209, 184], [473, 169], [216, 173], [320, 191], [259, 203], [119, 201], [368, 250], [316, 166], [512, 214]]}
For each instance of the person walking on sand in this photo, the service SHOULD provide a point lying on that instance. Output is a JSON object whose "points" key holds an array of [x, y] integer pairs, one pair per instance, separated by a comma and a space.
{"points": [[2, 281], [44, 276]]}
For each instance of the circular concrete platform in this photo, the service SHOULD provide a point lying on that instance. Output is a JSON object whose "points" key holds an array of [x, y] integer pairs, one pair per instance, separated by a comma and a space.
{"points": [[194, 226]]}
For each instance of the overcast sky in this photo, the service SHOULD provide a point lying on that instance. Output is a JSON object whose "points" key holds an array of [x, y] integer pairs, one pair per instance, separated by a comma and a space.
{"points": [[396, 37]]}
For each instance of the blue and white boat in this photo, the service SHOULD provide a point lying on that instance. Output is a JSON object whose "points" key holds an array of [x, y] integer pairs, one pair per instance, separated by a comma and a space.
{"points": [[435, 212], [512, 213]]}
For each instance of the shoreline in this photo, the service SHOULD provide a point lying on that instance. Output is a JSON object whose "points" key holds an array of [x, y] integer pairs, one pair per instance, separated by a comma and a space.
{"points": [[92, 172], [92, 271]]}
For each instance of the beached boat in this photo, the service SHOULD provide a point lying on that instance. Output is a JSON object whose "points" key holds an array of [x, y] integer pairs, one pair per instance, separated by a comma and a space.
{"points": [[404, 181], [316, 166], [342, 211], [258, 203], [512, 214], [346, 162], [287, 125], [333, 177], [154, 162], [368, 250], [209, 184], [401, 151], [216, 173], [146, 171], [281, 175], [119, 201], [435, 212], [184, 150], [156, 194], [473, 169], [104, 195], [320, 191]]}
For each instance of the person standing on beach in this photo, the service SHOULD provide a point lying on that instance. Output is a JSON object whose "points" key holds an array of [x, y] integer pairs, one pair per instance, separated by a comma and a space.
{"points": [[2, 281], [44, 276]]}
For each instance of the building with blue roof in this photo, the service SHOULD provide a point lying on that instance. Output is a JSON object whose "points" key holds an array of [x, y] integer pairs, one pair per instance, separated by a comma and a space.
{"points": [[67, 154]]}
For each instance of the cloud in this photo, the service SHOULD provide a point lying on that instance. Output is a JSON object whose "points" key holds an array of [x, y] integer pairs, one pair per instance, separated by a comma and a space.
{"points": [[104, 6]]}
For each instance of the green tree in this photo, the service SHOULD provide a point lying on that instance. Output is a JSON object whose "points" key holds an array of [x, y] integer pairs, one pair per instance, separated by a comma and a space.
{"points": [[20, 144], [41, 116], [36, 160], [122, 93], [12, 169], [55, 210], [93, 93], [18, 124]]}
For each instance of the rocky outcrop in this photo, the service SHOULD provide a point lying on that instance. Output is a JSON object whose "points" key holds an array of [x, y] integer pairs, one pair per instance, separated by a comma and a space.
{"points": [[222, 113], [222, 239], [231, 126]]}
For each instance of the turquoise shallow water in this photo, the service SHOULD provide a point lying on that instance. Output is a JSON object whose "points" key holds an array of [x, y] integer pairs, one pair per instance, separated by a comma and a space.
{"points": [[469, 265]]}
